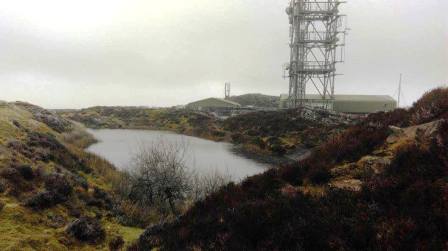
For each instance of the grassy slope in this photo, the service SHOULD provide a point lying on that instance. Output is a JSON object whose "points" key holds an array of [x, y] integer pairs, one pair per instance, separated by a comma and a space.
{"points": [[367, 188], [23, 228]]}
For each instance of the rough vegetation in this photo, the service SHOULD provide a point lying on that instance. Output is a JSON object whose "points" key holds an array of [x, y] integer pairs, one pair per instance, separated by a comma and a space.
{"points": [[53, 195], [181, 121], [257, 100], [379, 185], [278, 132], [261, 133]]}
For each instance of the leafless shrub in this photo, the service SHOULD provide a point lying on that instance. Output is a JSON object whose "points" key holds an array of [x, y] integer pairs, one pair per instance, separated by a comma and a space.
{"points": [[207, 184], [159, 178]]}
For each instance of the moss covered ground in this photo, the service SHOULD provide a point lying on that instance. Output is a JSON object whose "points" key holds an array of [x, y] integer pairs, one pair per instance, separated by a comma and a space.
{"points": [[31, 150]]}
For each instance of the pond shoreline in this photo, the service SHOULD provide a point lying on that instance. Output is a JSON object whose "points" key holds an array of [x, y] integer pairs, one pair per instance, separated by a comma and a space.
{"points": [[203, 155], [268, 159], [287, 159]]}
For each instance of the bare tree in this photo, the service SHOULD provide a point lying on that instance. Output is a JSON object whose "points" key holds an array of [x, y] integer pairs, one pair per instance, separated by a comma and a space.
{"points": [[159, 175], [159, 178]]}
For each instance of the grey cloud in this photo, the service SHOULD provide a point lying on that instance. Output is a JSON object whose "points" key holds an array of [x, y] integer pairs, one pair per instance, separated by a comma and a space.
{"points": [[184, 56]]}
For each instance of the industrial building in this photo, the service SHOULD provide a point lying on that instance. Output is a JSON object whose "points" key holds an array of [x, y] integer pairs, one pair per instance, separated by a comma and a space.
{"points": [[214, 105], [353, 104]]}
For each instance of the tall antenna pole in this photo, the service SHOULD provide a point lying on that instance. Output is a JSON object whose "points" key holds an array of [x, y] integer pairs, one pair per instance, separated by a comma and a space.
{"points": [[317, 32], [399, 89], [227, 91]]}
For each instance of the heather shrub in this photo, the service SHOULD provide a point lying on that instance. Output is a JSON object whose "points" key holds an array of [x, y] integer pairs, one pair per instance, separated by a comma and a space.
{"points": [[319, 175], [26, 172], [58, 189], [262, 185], [116, 244], [433, 105], [87, 230], [237, 138], [294, 173], [258, 141]]}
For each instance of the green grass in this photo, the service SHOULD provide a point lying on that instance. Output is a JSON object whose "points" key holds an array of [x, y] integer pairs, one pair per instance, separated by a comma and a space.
{"points": [[25, 229], [22, 229]]}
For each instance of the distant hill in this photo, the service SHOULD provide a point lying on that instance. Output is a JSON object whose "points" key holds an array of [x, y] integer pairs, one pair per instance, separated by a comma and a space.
{"points": [[258, 100]]}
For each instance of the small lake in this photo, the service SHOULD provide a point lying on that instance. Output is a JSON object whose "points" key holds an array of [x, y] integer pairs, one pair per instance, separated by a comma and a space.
{"points": [[203, 156]]}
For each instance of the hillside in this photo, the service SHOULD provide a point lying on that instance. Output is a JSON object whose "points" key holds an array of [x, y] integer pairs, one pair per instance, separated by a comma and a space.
{"points": [[180, 121], [381, 184], [262, 135], [257, 100], [53, 195]]}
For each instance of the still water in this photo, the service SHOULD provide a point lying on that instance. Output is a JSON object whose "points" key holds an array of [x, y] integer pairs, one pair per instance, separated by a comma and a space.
{"points": [[203, 156]]}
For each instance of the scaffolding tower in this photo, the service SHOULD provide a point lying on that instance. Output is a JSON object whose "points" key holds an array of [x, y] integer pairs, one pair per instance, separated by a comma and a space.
{"points": [[317, 40], [227, 90]]}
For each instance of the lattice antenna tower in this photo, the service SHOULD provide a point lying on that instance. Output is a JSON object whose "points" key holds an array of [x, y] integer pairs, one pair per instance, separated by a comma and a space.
{"points": [[227, 91], [317, 40]]}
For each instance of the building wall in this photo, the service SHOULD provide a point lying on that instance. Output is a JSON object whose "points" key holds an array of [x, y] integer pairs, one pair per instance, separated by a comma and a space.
{"points": [[347, 106], [352, 103]]}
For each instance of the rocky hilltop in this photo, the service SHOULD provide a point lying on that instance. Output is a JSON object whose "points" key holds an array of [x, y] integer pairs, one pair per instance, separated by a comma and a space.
{"points": [[381, 184], [257, 100]]}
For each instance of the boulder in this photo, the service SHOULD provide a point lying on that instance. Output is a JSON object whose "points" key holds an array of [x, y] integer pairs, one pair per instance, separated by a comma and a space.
{"points": [[418, 133]]}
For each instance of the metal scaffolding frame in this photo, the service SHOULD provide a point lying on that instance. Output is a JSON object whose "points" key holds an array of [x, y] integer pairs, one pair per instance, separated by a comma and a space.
{"points": [[317, 40]]}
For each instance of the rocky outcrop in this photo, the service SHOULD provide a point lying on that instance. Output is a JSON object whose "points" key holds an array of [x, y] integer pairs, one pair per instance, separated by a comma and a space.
{"points": [[51, 119], [354, 185], [349, 176], [414, 133]]}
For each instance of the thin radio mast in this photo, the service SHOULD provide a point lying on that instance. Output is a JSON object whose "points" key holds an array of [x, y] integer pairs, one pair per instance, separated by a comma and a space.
{"points": [[227, 90], [399, 89]]}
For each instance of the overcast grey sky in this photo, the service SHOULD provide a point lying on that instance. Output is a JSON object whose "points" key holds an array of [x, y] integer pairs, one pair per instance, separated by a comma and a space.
{"points": [[80, 53]]}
